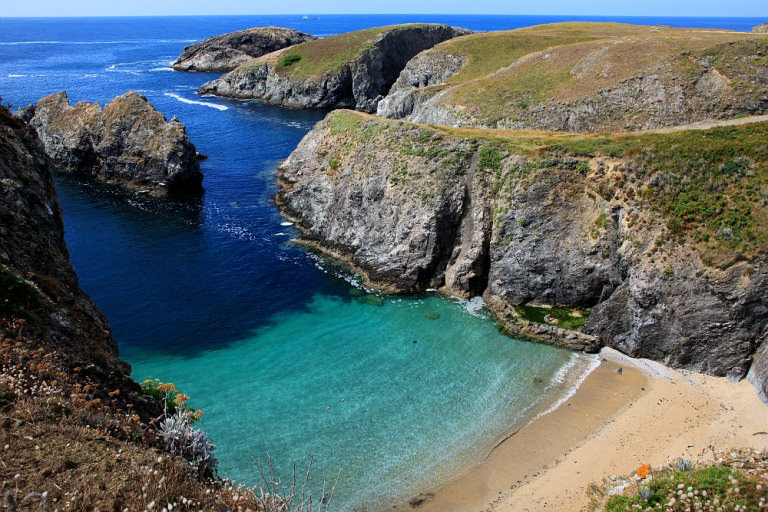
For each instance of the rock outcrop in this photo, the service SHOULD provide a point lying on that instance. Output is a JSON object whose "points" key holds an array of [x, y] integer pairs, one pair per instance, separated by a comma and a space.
{"points": [[761, 29], [39, 283], [128, 143], [227, 51], [349, 70], [415, 208], [562, 80]]}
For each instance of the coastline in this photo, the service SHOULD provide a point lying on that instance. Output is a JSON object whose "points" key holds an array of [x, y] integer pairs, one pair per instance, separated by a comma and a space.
{"points": [[612, 424]]}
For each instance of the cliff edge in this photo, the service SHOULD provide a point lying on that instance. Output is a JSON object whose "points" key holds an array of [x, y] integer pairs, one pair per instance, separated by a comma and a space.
{"points": [[584, 77], [663, 236], [355, 69]]}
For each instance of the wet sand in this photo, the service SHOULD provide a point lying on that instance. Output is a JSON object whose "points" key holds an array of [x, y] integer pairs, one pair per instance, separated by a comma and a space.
{"points": [[614, 422]]}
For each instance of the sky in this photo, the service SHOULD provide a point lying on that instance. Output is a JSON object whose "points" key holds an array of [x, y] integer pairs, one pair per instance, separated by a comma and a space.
{"points": [[736, 8]]}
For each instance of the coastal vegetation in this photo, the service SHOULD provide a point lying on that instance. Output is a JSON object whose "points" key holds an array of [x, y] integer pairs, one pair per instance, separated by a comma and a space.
{"points": [[708, 187], [326, 55], [736, 481]]}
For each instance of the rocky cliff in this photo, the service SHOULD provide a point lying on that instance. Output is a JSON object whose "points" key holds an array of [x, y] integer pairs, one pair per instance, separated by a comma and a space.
{"points": [[761, 29], [127, 143], [584, 77], [40, 293], [76, 430], [349, 70], [663, 236], [227, 51]]}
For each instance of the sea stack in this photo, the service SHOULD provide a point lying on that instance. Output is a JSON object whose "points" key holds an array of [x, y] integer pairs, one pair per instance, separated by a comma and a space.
{"points": [[128, 143]]}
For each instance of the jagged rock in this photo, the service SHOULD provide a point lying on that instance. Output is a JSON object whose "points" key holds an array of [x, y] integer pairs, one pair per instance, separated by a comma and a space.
{"points": [[359, 81], [758, 373], [227, 51], [761, 29], [128, 143], [60, 316], [413, 208]]}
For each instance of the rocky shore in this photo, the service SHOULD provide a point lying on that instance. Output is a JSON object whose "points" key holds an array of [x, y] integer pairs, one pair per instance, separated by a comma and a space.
{"points": [[227, 51], [348, 70], [127, 143], [547, 220]]}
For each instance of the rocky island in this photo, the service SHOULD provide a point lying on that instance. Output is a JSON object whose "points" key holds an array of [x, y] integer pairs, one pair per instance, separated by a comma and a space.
{"points": [[227, 51], [127, 143], [355, 69]]}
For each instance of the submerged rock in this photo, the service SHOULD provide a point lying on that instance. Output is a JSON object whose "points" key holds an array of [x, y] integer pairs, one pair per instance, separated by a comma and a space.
{"points": [[349, 70], [227, 51], [128, 143]]}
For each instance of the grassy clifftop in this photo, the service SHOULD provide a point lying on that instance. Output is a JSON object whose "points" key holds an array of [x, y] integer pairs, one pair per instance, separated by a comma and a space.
{"points": [[623, 76], [706, 187], [324, 55]]}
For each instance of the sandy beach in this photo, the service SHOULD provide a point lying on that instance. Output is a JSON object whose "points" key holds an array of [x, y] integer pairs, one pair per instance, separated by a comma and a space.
{"points": [[616, 421]]}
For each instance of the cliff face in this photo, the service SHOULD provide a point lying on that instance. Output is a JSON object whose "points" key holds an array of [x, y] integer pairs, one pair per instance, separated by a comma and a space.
{"points": [[562, 80], [39, 284], [128, 143], [227, 51], [351, 70], [552, 221]]}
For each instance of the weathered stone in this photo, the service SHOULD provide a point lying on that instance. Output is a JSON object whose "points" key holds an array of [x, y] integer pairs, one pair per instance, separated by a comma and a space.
{"points": [[359, 83], [128, 143], [62, 318], [227, 51], [414, 209]]}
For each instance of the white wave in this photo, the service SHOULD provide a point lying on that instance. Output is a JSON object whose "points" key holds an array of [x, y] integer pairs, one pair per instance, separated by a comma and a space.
{"points": [[194, 102], [474, 306], [16, 76], [561, 375], [281, 234], [161, 69], [286, 223], [136, 41]]}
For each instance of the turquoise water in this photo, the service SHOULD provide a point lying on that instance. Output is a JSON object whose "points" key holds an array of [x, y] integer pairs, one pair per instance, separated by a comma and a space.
{"points": [[395, 399], [266, 337]]}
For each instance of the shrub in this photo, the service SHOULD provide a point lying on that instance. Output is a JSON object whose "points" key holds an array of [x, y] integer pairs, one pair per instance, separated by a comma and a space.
{"points": [[194, 445], [288, 60]]}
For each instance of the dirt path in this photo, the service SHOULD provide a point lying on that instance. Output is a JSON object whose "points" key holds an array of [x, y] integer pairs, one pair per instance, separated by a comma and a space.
{"points": [[706, 125]]}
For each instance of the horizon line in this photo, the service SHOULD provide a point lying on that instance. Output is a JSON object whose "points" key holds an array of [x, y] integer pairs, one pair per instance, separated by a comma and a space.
{"points": [[380, 14]]}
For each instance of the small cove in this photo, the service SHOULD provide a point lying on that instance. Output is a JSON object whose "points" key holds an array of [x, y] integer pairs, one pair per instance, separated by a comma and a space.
{"points": [[282, 351]]}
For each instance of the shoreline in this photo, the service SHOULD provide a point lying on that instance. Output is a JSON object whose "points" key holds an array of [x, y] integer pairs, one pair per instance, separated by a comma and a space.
{"points": [[611, 424]]}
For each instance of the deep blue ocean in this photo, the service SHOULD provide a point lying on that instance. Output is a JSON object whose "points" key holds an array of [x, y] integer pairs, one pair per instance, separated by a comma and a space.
{"points": [[284, 351]]}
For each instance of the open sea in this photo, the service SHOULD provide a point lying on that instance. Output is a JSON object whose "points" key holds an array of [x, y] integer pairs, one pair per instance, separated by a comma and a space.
{"points": [[284, 351]]}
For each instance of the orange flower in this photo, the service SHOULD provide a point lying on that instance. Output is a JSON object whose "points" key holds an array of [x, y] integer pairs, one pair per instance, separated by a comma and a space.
{"points": [[643, 471]]}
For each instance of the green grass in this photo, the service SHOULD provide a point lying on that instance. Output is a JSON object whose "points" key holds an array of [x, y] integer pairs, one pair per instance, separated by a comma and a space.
{"points": [[718, 482], [326, 55], [17, 295], [568, 61], [571, 319], [708, 185]]}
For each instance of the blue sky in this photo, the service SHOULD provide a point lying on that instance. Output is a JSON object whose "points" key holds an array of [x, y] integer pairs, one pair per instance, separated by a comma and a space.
{"points": [[747, 8]]}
